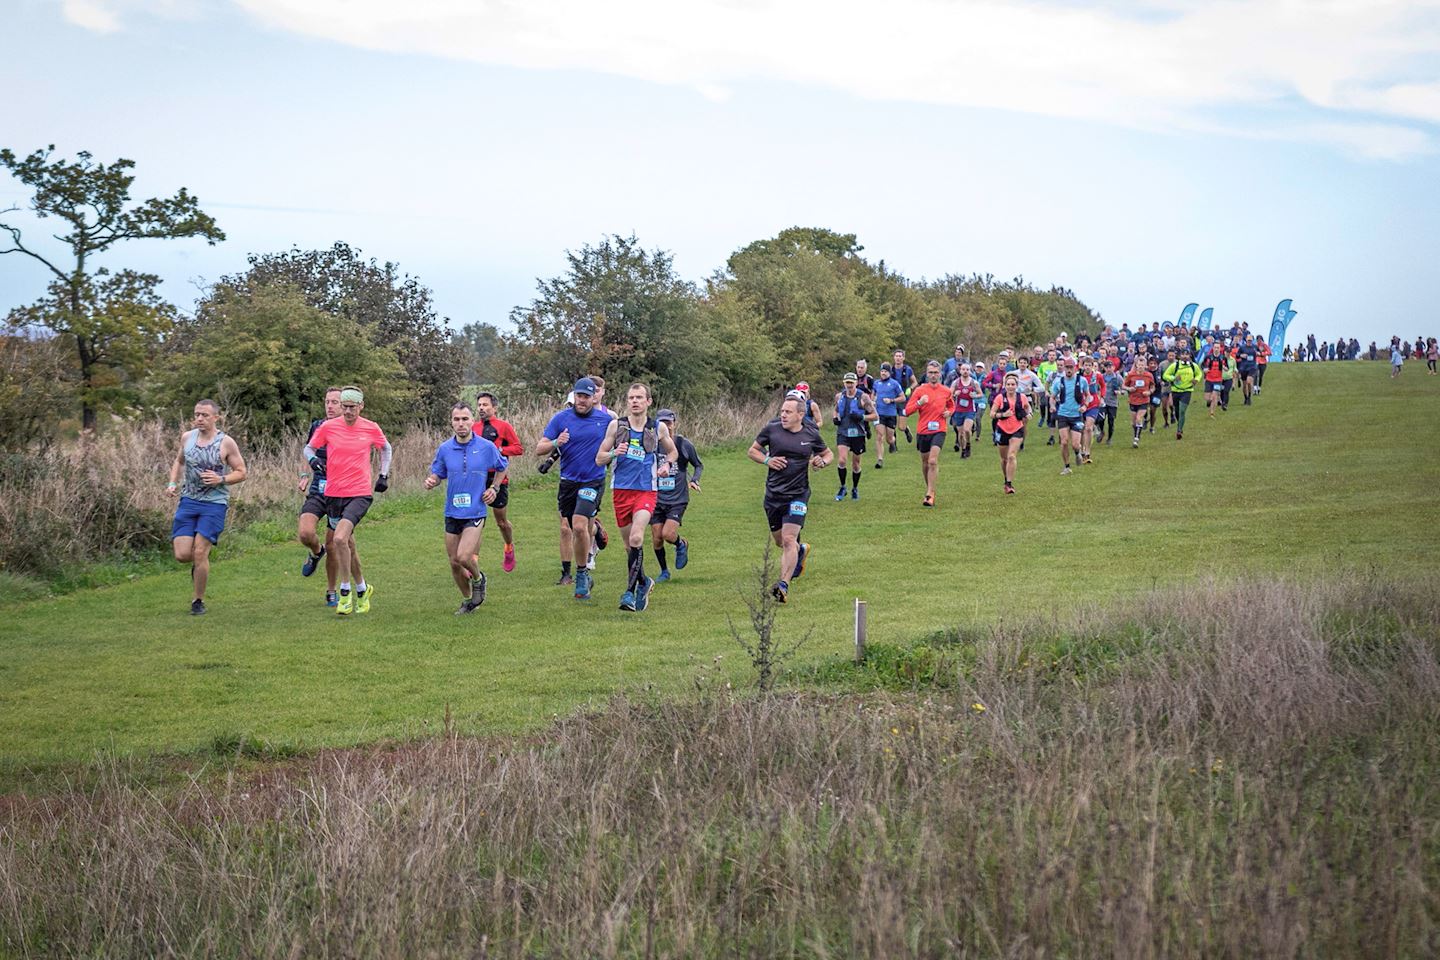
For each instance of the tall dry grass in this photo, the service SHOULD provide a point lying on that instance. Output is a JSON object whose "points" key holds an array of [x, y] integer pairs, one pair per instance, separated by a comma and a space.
{"points": [[1230, 772], [89, 500]]}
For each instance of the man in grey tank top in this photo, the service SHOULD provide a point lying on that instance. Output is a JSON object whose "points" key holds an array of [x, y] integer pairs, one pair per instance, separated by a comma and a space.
{"points": [[208, 463]]}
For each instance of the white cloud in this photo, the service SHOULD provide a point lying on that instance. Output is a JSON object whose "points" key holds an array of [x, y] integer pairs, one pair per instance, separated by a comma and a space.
{"points": [[96, 15], [1149, 63]]}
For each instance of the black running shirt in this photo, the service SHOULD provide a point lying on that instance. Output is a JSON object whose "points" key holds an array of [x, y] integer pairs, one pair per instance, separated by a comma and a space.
{"points": [[793, 482]]}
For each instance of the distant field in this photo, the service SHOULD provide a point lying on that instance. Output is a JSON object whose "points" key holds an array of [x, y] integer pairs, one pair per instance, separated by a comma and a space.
{"points": [[1333, 472]]}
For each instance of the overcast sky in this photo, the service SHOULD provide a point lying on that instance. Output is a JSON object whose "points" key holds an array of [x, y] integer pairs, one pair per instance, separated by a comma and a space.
{"points": [[1143, 154]]}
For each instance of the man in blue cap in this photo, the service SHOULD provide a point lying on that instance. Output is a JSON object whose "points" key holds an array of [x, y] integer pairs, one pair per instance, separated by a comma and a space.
{"points": [[577, 432]]}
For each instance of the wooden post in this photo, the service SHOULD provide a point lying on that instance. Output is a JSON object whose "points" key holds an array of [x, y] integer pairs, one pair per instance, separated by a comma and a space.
{"points": [[859, 631]]}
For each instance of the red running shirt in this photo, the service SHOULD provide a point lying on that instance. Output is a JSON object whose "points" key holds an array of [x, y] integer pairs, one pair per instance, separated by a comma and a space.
{"points": [[347, 455], [1139, 386], [935, 415]]}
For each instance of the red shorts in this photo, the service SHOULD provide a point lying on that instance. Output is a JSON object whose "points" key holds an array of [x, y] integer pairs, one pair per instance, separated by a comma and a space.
{"points": [[630, 502]]}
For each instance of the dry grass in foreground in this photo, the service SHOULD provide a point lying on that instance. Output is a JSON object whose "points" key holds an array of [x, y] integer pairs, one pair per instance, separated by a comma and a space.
{"points": [[1241, 772]]}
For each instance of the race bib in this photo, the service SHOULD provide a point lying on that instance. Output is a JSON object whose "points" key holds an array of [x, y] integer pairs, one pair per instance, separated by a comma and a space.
{"points": [[322, 486], [852, 431], [933, 425], [634, 451], [461, 500], [587, 493], [667, 483], [798, 508]]}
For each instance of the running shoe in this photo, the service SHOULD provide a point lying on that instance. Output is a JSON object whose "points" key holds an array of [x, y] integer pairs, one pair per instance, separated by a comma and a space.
{"points": [[840, 496], [965, 453], [929, 501], [1135, 442], [957, 446], [642, 593], [1179, 435], [311, 562], [1009, 487], [781, 591], [801, 555], [879, 464], [565, 580], [1064, 471], [197, 608], [664, 576], [682, 553], [1050, 442], [894, 447], [477, 589], [855, 493], [627, 601], [590, 557], [583, 581], [909, 437], [331, 598], [346, 606], [464, 608], [362, 599], [602, 539], [508, 564]]}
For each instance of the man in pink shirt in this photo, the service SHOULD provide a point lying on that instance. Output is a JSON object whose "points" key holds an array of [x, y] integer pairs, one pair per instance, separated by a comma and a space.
{"points": [[347, 441]]}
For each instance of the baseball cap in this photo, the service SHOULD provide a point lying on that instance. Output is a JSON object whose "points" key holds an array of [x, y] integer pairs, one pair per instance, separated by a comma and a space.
{"points": [[850, 378], [665, 415], [585, 385]]}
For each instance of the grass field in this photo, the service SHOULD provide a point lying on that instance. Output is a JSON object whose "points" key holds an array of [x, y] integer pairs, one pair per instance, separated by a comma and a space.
{"points": [[1330, 475]]}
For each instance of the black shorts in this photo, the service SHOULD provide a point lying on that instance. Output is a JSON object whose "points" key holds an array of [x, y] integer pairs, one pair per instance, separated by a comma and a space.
{"points": [[314, 505], [457, 525], [1070, 423], [925, 442], [668, 511], [854, 444], [347, 508], [1137, 407], [1003, 439], [888, 421], [578, 499], [502, 497], [781, 512]]}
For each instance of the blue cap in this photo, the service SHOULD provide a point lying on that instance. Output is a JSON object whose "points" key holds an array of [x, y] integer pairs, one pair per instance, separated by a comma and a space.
{"points": [[585, 385]]}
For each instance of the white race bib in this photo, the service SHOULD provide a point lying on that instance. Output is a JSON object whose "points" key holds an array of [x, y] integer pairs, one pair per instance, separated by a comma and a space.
{"points": [[798, 508], [634, 451], [667, 483], [586, 493], [461, 500], [933, 426]]}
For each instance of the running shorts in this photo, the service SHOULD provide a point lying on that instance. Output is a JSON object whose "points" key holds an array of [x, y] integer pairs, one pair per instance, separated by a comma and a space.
{"points": [[888, 421], [198, 518], [457, 525], [1137, 407], [786, 511], [671, 511], [1069, 423], [926, 442], [347, 508], [1003, 439], [853, 444], [959, 417], [314, 505], [627, 503], [578, 499]]}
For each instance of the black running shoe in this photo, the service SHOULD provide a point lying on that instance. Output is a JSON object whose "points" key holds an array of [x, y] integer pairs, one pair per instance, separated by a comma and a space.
{"points": [[311, 562], [197, 608]]}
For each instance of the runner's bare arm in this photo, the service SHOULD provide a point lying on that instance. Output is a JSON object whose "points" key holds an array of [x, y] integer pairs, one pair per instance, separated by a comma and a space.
{"points": [[230, 453], [177, 467], [667, 446], [606, 453]]}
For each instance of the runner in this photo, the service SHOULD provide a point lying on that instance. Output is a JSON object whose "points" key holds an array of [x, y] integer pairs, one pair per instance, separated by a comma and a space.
{"points": [[905, 373], [1048, 370], [632, 443], [967, 400], [1262, 360], [935, 404], [208, 463], [812, 409], [1181, 375], [863, 381], [1094, 407], [787, 447], [1139, 384], [951, 371], [889, 397], [312, 484], [474, 471], [1167, 403], [1113, 382], [1397, 359], [348, 440], [507, 441], [1214, 371], [673, 498], [1247, 357], [853, 412], [577, 432], [1068, 395], [1008, 413]]}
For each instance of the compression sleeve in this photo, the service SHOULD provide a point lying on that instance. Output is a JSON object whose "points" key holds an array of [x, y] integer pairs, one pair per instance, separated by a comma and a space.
{"points": [[310, 453], [386, 452]]}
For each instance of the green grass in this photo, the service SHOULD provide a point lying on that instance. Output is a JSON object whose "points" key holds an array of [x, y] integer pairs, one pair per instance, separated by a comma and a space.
{"points": [[1331, 472]]}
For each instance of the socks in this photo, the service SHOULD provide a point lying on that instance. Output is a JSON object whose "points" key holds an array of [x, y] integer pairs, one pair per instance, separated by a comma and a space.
{"points": [[660, 555], [344, 586], [854, 479], [565, 568], [360, 587], [637, 565], [841, 471]]}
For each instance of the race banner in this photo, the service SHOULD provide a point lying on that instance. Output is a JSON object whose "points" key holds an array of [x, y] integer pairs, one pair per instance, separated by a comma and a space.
{"points": [[1278, 326], [1207, 316], [1186, 315]]}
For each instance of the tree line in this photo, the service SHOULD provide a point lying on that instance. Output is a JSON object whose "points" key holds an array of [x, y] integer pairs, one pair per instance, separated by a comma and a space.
{"points": [[267, 341]]}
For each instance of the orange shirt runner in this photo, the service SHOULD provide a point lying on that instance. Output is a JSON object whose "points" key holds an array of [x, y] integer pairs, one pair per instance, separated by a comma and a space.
{"points": [[935, 414]]}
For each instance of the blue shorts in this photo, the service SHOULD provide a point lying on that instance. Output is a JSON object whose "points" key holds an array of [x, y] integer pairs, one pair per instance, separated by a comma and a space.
{"points": [[192, 518], [1093, 413], [960, 416]]}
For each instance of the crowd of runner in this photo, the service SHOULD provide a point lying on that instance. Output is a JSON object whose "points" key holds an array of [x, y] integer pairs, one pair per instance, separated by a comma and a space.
{"points": [[1071, 393]]}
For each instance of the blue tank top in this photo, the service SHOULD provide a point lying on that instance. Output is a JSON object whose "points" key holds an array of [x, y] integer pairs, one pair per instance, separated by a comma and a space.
{"points": [[852, 416], [198, 459], [635, 465]]}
